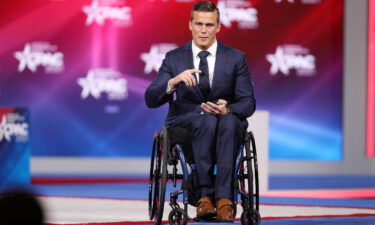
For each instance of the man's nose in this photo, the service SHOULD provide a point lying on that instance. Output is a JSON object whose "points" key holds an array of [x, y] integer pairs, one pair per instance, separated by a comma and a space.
{"points": [[204, 29]]}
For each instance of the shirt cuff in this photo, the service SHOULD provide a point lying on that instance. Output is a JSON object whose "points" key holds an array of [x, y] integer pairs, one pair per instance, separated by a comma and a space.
{"points": [[169, 89]]}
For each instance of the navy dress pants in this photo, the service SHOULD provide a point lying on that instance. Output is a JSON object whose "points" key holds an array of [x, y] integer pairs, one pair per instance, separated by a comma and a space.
{"points": [[215, 142]]}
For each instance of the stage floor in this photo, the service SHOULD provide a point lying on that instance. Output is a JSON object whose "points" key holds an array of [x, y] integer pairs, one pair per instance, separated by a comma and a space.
{"points": [[119, 201], [73, 210]]}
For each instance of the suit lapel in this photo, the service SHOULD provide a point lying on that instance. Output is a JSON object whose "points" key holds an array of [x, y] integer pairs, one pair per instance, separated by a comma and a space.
{"points": [[219, 66]]}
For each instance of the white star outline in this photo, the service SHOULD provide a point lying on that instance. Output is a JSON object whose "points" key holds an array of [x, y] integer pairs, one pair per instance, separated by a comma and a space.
{"points": [[89, 86], [154, 58], [278, 62], [26, 59]]}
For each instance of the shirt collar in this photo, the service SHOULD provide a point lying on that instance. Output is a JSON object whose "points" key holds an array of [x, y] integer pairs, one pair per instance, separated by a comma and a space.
{"points": [[212, 50]]}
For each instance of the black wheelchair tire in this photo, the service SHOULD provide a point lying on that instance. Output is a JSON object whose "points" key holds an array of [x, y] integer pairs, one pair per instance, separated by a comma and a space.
{"points": [[256, 173], [249, 171], [154, 180], [249, 175], [164, 174]]}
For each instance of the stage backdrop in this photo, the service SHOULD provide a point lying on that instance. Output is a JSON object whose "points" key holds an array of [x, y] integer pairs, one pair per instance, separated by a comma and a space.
{"points": [[81, 68]]}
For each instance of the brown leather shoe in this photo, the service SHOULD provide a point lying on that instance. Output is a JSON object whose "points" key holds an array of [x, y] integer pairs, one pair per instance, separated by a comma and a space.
{"points": [[225, 211], [205, 209]]}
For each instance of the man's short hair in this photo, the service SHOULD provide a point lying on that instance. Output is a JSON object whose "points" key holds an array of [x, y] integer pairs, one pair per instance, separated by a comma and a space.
{"points": [[205, 6]]}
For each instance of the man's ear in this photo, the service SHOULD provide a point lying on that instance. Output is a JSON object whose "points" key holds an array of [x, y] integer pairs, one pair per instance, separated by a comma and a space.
{"points": [[190, 26], [218, 28]]}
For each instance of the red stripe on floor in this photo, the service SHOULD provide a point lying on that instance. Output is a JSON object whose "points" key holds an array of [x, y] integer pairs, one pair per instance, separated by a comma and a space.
{"points": [[78, 180], [325, 216], [263, 218], [330, 194]]}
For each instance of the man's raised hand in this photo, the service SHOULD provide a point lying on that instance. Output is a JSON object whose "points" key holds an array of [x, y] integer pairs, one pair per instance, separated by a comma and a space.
{"points": [[186, 77]]}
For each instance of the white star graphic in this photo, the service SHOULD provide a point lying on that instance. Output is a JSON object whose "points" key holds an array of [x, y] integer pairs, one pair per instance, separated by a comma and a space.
{"points": [[278, 62], [93, 13], [153, 59], [26, 59], [89, 86]]}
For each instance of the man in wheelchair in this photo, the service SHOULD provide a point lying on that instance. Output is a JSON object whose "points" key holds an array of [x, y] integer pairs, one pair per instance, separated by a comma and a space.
{"points": [[210, 92]]}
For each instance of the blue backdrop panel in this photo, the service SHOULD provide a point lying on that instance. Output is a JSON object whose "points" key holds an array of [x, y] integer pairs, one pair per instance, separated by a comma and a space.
{"points": [[14, 147]]}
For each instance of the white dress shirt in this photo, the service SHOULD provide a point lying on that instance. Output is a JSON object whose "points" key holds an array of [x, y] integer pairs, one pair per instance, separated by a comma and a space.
{"points": [[211, 58]]}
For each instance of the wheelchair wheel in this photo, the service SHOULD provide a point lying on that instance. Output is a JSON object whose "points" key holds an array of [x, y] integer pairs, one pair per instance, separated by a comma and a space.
{"points": [[153, 184], [158, 176], [250, 217], [164, 146], [248, 178], [177, 217], [256, 175]]}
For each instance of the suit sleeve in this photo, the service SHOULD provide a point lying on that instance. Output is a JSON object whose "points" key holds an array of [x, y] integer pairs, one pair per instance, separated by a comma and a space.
{"points": [[244, 102], [156, 94]]}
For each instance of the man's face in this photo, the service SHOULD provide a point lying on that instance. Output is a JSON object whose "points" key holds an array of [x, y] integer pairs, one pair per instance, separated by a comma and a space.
{"points": [[204, 27]]}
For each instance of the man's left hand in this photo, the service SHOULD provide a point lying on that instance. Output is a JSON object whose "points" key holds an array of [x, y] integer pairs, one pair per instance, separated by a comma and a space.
{"points": [[220, 108]]}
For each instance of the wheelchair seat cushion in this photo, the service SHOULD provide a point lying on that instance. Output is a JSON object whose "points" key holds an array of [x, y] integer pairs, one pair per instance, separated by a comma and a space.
{"points": [[183, 137]]}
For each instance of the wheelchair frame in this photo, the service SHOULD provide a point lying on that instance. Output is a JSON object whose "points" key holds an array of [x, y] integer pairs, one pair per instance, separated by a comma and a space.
{"points": [[165, 154]]}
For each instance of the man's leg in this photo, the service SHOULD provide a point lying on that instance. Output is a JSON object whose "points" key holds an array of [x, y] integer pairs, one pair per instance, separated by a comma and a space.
{"points": [[203, 127], [226, 151]]}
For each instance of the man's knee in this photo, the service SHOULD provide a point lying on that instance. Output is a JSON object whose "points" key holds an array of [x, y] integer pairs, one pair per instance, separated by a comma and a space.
{"points": [[228, 123], [207, 123]]}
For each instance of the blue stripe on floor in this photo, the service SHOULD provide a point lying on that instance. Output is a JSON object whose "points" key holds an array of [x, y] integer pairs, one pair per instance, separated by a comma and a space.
{"points": [[140, 191]]}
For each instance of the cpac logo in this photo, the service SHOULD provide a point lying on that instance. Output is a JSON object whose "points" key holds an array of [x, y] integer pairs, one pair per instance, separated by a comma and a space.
{"points": [[240, 11], [100, 81], [302, 1], [10, 129], [154, 58], [97, 13], [289, 57], [40, 54]]}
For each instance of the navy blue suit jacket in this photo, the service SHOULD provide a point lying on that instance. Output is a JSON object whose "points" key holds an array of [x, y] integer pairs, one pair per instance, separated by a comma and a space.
{"points": [[231, 81]]}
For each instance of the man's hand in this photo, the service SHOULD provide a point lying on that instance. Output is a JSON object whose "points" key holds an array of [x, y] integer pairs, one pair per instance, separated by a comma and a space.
{"points": [[187, 77], [220, 108]]}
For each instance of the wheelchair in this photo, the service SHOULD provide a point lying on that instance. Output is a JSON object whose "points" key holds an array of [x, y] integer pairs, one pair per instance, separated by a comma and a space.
{"points": [[172, 151]]}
